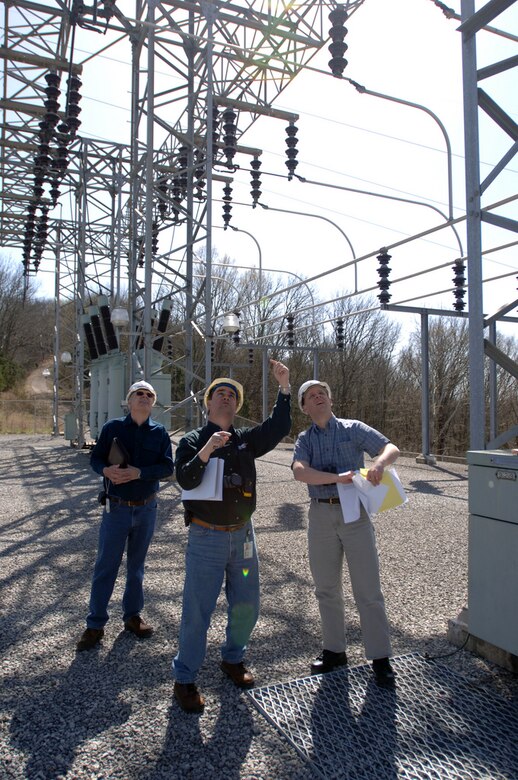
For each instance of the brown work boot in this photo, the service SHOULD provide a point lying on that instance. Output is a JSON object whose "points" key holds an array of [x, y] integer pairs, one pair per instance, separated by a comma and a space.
{"points": [[138, 627], [188, 697], [90, 638], [239, 674]]}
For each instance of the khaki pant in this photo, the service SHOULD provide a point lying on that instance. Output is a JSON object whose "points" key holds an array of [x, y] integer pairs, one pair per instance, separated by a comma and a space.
{"points": [[329, 538]]}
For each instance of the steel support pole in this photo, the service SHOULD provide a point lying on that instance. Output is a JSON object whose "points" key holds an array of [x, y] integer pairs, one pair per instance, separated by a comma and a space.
{"points": [[209, 12], [57, 335], [425, 387], [189, 365], [266, 405], [493, 389], [474, 238], [148, 269], [133, 200], [79, 357]]}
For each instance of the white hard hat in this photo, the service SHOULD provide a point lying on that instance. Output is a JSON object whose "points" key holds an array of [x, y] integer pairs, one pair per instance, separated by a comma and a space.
{"points": [[141, 386], [303, 388]]}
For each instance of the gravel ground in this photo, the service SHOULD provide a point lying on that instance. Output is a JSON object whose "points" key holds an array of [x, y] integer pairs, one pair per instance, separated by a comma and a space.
{"points": [[109, 713]]}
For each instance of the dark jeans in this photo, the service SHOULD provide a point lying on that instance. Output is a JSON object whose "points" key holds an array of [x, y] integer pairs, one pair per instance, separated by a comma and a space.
{"points": [[123, 524]]}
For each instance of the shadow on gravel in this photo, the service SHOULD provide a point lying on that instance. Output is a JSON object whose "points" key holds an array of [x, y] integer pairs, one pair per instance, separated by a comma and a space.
{"points": [[188, 751], [61, 712]]}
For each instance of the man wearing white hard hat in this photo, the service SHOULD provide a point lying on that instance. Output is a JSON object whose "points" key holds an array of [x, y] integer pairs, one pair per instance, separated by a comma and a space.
{"points": [[325, 455], [132, 454], [221, 545]]}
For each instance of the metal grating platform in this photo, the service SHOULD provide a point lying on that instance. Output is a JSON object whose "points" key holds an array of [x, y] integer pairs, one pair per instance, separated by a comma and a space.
{"points": [[434, 726]]}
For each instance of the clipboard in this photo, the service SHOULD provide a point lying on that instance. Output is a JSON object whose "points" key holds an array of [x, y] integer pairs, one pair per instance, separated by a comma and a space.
{"points": [[118, 454], [211, 486]]}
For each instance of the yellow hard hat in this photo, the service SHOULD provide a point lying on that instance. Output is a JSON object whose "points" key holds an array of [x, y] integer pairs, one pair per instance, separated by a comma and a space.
{"points": [[224, 381]]}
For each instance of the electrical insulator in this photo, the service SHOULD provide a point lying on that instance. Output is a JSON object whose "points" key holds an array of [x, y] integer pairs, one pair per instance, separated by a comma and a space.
{"points": [[227, 206], [338, 47], [177, 197], [291, 151], [63, 129], [179, 187], [183, 162], [199, 173], [54, 192], [154, 239], [250, 356], [61, 161], [459, 280], [256, 181], [340, 333], [289, 327], [73, 95], [236, 337], [162, 196], [229, 135], [383, 283], [169, 349], [212, 350], [215, 134], [72, 105], [53, 80]]}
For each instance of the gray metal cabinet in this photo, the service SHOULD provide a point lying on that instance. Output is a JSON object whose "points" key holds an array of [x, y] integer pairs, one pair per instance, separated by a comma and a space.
{"points": [[493, 548]]}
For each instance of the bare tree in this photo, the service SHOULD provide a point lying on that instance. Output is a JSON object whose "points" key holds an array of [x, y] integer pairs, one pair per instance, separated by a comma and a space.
{"points": [[26, 325], [362, 371]]}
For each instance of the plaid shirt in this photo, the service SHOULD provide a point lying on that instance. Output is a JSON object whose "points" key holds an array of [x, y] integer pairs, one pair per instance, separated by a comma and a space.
{"points": [[339, 447]]}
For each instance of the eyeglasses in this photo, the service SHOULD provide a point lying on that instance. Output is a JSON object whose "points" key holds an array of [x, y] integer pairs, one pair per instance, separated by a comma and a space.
{"points": [[144, 392]]}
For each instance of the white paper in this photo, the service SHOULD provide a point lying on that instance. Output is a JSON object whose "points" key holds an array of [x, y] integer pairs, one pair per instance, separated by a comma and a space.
{"points": [[379, 498], [375, 498], [211, 486], [371, 496], [349, 502]]}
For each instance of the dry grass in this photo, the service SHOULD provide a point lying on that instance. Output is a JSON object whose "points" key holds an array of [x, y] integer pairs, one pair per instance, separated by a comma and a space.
{"points": [[26, 416]]}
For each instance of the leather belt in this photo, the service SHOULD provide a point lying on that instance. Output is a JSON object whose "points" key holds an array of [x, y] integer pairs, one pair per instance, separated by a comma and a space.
{"points": [[332, 500], [121, 502], [203, 524]]}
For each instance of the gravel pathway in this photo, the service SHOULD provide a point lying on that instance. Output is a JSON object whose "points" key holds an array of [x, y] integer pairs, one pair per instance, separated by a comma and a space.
{"points": [[109, 714]]}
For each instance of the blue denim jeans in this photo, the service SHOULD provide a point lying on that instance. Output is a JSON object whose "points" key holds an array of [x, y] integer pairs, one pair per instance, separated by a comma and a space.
{"points": [[133, 525], [214, 557]]}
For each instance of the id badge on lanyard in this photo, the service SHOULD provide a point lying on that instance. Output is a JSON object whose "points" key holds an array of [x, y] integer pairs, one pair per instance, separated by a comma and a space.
{"points": [[248, 547]]}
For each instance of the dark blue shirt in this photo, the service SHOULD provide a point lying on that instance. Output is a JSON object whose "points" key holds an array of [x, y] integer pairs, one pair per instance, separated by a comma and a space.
{"points": [[149, 449], [245, 444]]}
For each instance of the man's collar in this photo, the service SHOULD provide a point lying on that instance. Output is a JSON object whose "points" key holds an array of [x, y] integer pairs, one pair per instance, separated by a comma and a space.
{"points": [[330, 423], [130, 421], [212, 426]]}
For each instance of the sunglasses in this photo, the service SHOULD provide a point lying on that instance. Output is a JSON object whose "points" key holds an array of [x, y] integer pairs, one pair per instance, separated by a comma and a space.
{"points": [[144, 392]]}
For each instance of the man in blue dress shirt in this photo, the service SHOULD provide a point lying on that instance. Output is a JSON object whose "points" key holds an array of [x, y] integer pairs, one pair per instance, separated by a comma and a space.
{"points": [[325, 455]]}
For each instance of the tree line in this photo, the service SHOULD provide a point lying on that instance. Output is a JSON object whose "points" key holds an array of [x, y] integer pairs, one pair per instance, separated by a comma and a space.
{"points": [[375, 374], [372, 366]]}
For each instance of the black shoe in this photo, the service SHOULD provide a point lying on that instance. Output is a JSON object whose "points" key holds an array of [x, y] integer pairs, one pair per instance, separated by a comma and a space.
{"points": [[384, 673], [327, 661], [90, 638]]}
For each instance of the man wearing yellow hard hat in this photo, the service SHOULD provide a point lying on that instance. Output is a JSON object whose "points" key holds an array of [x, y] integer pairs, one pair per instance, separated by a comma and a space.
{"points": [[221, 545]]}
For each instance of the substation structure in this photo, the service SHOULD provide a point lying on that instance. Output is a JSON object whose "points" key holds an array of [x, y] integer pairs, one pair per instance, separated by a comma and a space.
{"points": [[102, 213]]}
